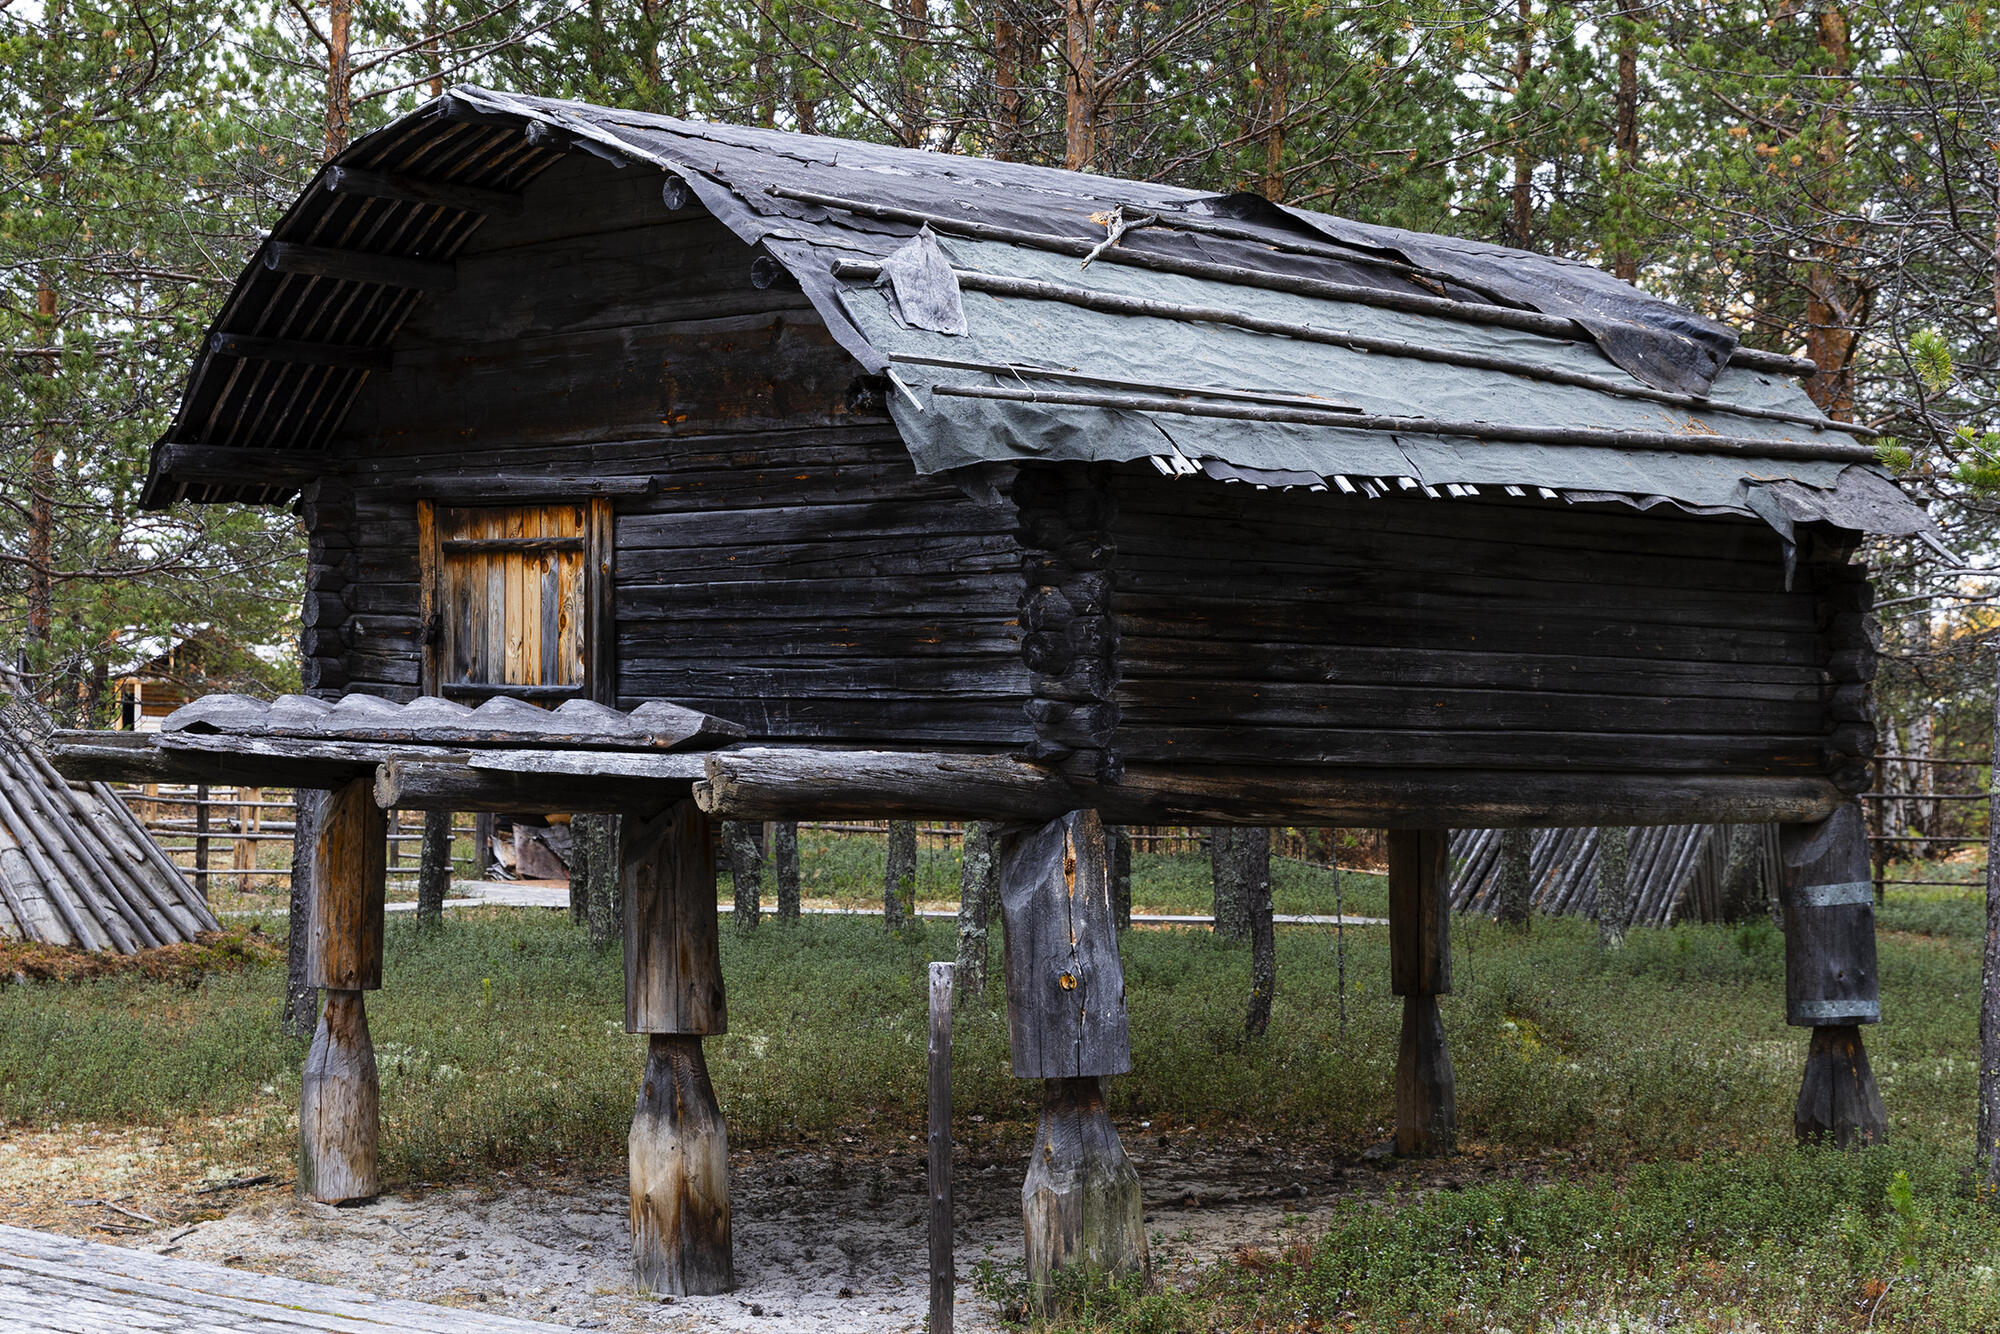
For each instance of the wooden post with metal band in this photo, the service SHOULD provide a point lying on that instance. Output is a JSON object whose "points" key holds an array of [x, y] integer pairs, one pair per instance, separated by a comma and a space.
{"points": [[679, 1148], [339, 1097], [1830, 975], [1080, 1204], [1420, 972]]}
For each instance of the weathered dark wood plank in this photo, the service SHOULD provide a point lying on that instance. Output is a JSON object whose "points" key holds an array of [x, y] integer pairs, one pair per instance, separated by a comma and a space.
{"points": [[1065, 986]]}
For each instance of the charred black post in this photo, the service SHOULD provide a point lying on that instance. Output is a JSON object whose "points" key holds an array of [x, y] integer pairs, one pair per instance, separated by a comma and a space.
{"points": [[1420, 972], [1830, 975]]}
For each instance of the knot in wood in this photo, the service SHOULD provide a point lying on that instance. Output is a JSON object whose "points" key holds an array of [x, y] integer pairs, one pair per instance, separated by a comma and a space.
{"points": [[1067, 981]]}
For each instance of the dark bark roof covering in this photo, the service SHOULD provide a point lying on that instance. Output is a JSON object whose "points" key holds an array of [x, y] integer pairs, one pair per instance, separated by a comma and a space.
{"points": [[1220, 335], [431, 721]]}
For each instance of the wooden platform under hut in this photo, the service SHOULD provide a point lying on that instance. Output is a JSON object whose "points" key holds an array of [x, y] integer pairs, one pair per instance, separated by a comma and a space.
{"points": [[974, 490]]}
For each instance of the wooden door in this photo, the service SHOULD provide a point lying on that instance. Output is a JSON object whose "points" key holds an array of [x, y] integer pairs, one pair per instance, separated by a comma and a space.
{"points": [[513, 599]]}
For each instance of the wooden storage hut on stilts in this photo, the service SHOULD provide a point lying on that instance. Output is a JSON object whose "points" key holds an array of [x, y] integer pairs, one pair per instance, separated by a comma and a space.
{"points": [[975, 490]]}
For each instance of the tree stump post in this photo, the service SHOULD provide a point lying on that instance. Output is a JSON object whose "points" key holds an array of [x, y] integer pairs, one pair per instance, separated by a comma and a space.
{"points": [[1420, 972], [678, 1152], [1080, 1203], [339, 1099], [1831, 984]]}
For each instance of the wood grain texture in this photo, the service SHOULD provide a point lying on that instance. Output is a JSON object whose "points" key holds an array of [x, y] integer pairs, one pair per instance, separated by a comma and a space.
{"points": [[938, 1150], [1829, 908], [1419, 914], [1426, 1089], [678, 1156], [339, 1106], [349, 878], [1081, 1206], [1838, 1102], [673, 958], [1065, 984]]}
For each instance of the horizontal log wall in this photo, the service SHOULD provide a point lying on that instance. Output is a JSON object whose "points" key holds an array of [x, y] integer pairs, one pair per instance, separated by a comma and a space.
{"points": [[787, 567], [1260, 627]]}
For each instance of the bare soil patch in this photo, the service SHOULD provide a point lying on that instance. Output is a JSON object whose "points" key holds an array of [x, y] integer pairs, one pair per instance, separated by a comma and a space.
{"points": [[828, 1237]]}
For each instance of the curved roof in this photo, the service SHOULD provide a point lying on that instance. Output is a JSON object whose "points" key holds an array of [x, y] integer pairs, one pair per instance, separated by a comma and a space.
{"points": [[1021, 313]]}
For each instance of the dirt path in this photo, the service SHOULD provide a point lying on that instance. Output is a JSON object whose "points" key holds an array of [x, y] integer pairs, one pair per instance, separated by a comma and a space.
{"points": [[827, 1238]]}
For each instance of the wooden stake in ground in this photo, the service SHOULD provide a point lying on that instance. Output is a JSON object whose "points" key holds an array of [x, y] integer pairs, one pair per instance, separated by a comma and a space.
{"points": [[679, 1147], [338, 1119], [1420, 972], [944, 1273], [1080, 1204], [434, 869], [899, 875], [785, 859], [1989, 1004], [1830, 976]]}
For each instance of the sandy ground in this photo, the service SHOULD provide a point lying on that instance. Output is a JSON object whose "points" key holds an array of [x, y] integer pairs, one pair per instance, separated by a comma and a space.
{"points": [[827, 1237]]}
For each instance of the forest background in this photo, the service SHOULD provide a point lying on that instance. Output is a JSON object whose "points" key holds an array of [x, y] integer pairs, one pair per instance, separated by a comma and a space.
{"points": [[1825, 177]]}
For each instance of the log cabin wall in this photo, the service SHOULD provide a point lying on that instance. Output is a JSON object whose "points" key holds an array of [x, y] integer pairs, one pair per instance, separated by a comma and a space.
{"points": [[788, 568], [1268, 627]]}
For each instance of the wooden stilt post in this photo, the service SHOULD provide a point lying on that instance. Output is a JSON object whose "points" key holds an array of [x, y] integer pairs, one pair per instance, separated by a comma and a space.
{"points": [[1830, 978], [1080, 1204], [1420, 972], [679, 1148], [944, 1270], [338, 1117]]}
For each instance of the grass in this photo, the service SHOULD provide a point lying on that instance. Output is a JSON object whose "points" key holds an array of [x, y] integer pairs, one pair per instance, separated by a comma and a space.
{"points": [[1656, 1081]]}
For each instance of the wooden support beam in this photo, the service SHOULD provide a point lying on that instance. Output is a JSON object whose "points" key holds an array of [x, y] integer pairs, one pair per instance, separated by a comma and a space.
{"points": [[619, 784], [339, 1120], [673, 958], [480, 488], [349, 876], [339, 1107], [679, 1150], [340, 355], [358, 266], [1420, 972], [237, 467], [791, 783], [1081, 1205], [679, 1161], [1065, 984], [418, 190], [1831, 983]]}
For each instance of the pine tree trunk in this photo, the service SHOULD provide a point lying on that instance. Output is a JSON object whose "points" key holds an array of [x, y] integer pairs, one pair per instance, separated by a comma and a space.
{"points": [[745, 842], [1614, 890], [899, 876], [975, 891], [1625, 264], [339, 78], [1512, 894], [1253, 851], [785, 858], [434, 869], [1080, 92], [1232, 907]]}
